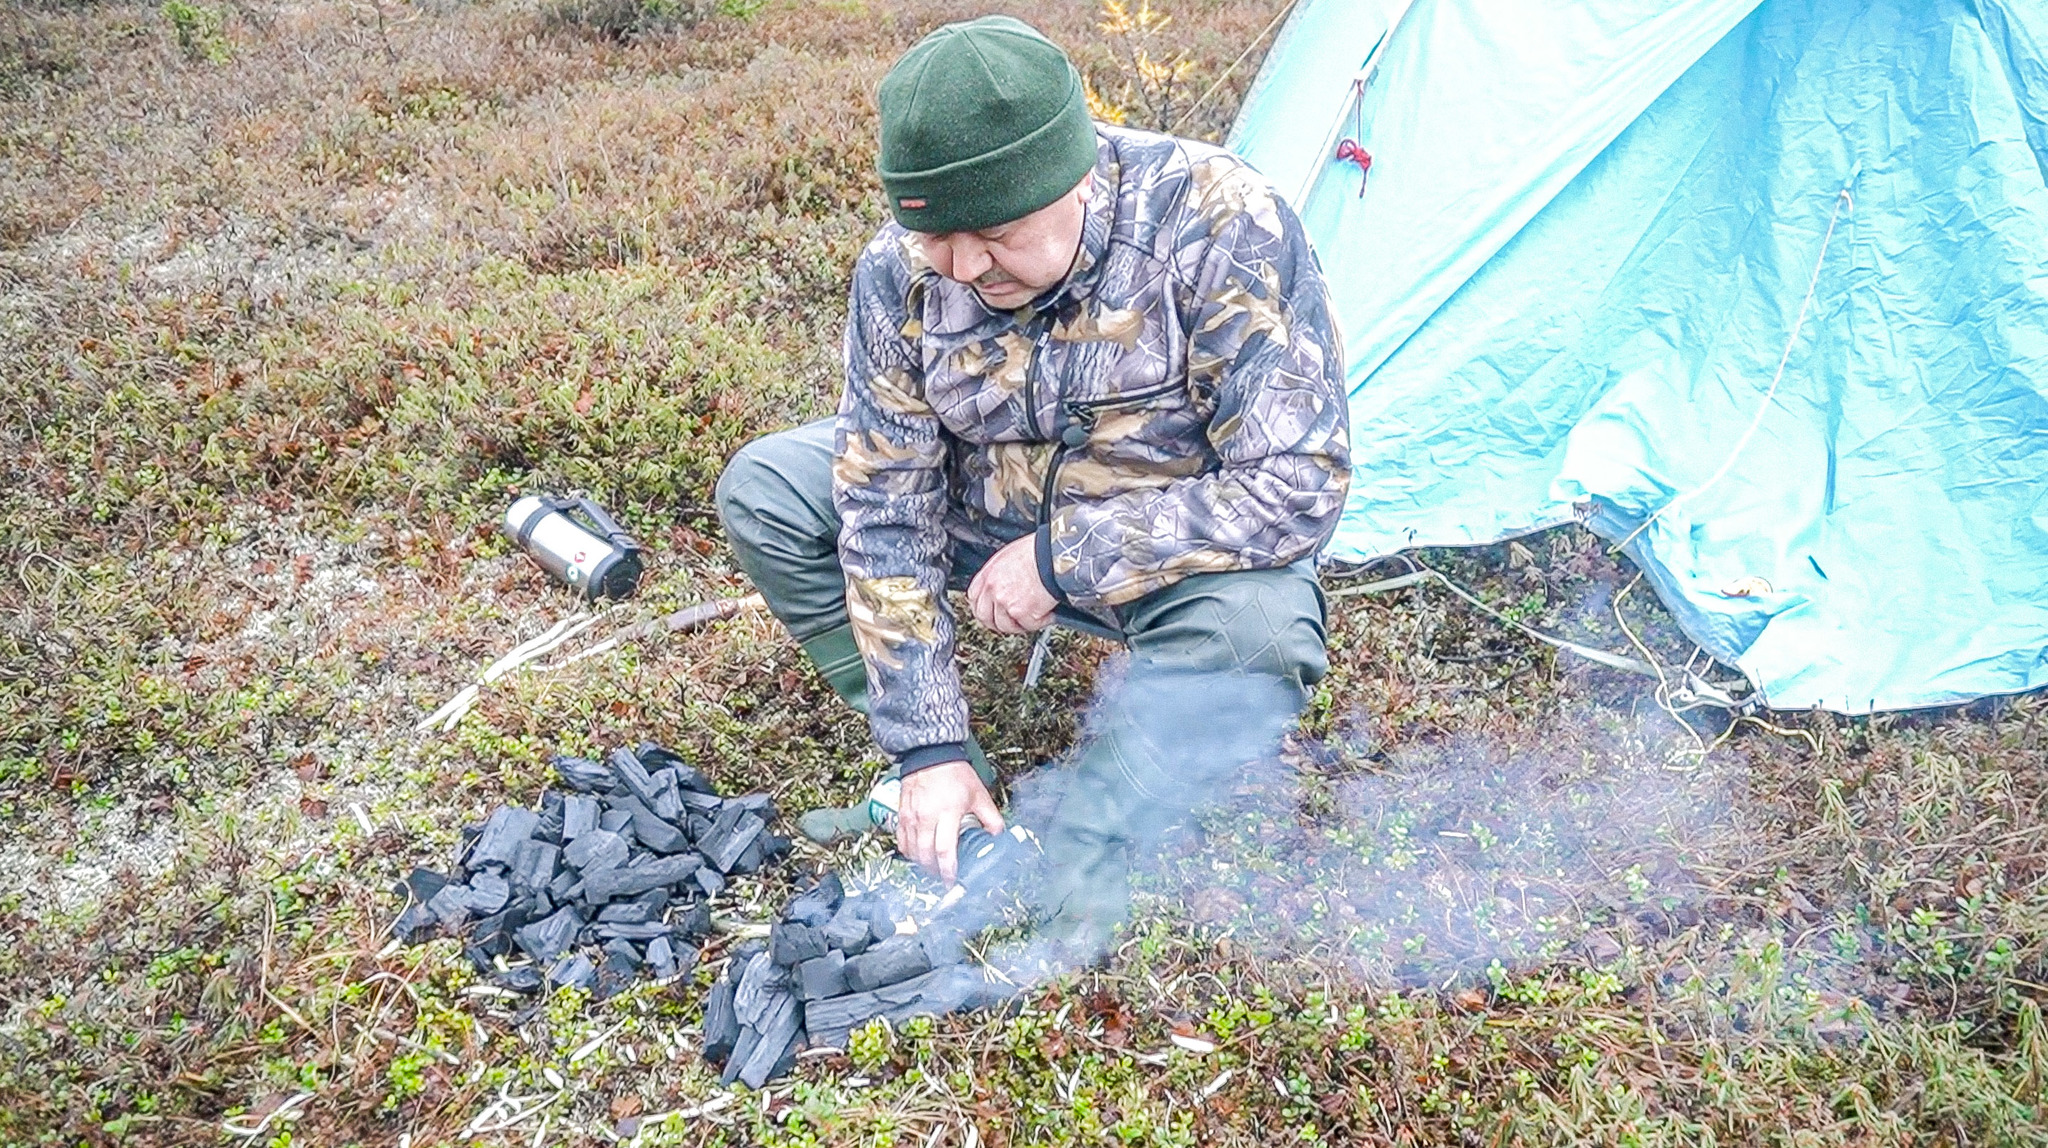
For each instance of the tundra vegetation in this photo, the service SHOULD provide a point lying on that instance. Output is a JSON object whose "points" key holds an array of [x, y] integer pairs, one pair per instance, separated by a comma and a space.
{"points": [[294, 298]]}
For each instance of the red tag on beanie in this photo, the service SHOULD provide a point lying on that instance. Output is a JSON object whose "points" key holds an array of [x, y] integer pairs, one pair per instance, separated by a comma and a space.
{"points": [[911, 204]]}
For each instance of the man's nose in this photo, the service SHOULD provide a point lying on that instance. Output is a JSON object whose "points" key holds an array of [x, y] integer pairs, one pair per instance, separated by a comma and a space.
{"points": [[970, 260]]}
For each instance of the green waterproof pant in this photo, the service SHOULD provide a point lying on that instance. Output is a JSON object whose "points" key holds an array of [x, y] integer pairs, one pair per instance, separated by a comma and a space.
{"points": [[1265, 626]]}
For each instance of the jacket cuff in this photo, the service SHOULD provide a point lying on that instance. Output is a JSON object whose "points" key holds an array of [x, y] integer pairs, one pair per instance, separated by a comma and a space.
{"points": [[1041, 549], [926, 756]]}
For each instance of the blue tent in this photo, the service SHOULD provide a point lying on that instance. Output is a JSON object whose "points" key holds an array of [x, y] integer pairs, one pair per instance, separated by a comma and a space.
{"points": [[1759, 289]]}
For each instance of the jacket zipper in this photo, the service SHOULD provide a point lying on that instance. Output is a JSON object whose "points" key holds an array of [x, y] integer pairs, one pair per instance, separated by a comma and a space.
{"points": [[1082, 416]]}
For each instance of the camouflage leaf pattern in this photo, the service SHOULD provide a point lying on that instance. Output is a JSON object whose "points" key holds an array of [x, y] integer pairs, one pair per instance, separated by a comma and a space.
{"points": [[1192, 341]]}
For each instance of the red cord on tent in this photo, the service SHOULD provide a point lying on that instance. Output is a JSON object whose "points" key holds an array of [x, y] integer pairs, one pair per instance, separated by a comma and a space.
{"points": [[1349, 150]]}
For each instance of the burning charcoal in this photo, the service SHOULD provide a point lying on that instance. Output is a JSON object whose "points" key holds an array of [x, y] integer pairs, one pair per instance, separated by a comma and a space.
{"points": [[421, 885], [668, 801], [661, 959], [792, 943], [418, 923], [659, 757], [730, 836], [695, 924], [645, 931], [779, 1030], [655, 874], [655, 832], [451, 905], [536, 864], [846, 936], [711, 881], [596, 851], [519, 979], [579, 816], [632, 774], [546, 939], [815, 906], [894, 960], [620, 969], [721, 1024], [823, 976], [574, 970], [501, 838], [488, 893], [615, 820], [549, 827], [582, 774]]}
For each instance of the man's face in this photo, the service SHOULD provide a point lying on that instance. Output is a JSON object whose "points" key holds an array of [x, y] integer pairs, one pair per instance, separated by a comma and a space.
{"points": [[1012, 263]]}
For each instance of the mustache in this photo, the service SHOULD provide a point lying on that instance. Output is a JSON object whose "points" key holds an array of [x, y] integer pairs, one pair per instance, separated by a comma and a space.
{"points": [[993, 278]]}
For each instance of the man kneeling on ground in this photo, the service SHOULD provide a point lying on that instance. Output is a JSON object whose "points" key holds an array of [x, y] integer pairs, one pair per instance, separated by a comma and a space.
{"points": [[1091, 379]]}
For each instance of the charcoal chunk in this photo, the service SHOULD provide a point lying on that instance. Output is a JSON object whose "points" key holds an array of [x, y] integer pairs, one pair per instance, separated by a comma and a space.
{"points": [[488, 893], [659, 757], [815, 906], [694, 925], [548, 938], [615, 820], [700, 800], [632, 774], [829, 1021], [620, 969], [574, 970], [656, 832], [700, 823], [493, 934], [848, 937], [943, 945], [792, 943], [450, 906], [536, 864], [774, 847], [762, 981], [735, 830], [499, 843], [646, 931], [668, 801], [658, 873], [421, 884], [823, 976], [742, 1051], [579, 816], [634, 912], [750, 858], [519, 979], [777, 1042], [711, 881], [417, 924], [479, 959], [661, 959], [549, 827], [596, 851], [721, 1023], [758, 803], [582, 774], [893, 961], [566, 887]]}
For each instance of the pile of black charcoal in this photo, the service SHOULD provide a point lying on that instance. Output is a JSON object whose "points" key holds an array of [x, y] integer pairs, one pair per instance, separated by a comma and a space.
{"points": [[600, 882], [837, 960]]}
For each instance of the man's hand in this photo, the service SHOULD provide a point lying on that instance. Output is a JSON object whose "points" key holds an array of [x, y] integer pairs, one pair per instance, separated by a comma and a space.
{"points": [[1007, 596], [928, 814]]}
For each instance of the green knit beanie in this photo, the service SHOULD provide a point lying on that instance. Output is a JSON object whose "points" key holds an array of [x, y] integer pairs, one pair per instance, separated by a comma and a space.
{"points": [[983, 122]]}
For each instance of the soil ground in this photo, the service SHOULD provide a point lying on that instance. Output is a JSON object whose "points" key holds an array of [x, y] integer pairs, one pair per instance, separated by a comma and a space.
{"points": [[295, 298]]}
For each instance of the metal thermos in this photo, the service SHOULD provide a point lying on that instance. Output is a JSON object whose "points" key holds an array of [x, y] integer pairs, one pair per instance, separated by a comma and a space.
{"points": [[577, 542]]}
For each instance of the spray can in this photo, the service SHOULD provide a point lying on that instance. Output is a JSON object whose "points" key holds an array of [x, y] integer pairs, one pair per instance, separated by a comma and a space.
{"points": [[987, 860], [576, 542]]}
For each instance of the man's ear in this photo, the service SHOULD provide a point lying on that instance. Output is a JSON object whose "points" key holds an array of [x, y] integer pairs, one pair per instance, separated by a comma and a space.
{"points": [[1085, 190]]}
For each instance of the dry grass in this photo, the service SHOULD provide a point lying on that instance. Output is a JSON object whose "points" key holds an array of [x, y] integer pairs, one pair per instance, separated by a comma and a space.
{"points": [[284, 329]]}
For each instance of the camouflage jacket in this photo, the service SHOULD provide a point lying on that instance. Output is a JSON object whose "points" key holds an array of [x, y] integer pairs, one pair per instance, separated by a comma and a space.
{"points": [[1176, 406]]}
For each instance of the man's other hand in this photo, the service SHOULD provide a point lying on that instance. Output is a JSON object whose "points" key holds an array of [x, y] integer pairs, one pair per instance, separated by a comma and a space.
{"points": [[1007, 596], [928, 814]]}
